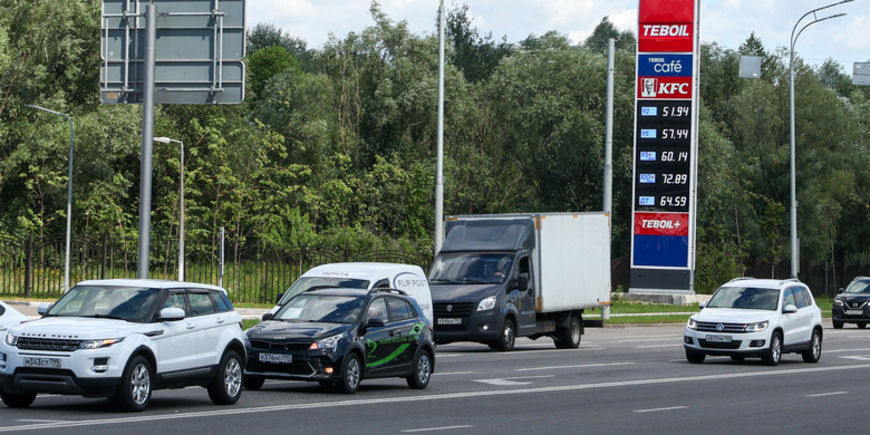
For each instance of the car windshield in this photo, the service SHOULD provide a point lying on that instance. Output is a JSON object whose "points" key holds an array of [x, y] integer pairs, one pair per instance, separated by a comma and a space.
{"points": [[746, 298], [475, 267], [859, 287], [310, 307], [132, 304], [309, 283]]}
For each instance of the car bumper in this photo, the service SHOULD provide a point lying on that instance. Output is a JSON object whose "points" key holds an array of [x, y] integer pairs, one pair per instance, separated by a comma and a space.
{"points": [[88, 373], [304, 367], [850, 315], [715, 343]]}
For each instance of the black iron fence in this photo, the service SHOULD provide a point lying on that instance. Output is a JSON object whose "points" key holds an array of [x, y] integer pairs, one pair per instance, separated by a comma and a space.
{"points": [[33, 267]]}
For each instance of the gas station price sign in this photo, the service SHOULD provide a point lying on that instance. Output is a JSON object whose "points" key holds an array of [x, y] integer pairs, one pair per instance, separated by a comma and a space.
{"points": [[663, 155]]}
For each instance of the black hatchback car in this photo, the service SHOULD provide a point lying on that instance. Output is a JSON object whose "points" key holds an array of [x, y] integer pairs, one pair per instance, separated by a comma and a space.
{"points": [[853, 304], [340, 337]]}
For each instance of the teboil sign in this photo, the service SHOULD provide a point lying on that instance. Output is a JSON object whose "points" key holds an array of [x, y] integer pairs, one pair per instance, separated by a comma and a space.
{"points": [[665, 147]]}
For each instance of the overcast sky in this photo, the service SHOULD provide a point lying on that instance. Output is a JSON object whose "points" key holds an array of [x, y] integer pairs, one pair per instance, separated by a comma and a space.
{"points": [[726, 22]]}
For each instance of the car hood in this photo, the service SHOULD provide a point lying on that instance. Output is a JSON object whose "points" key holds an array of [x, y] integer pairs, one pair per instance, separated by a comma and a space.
{"points": [[77, 328], [733, 315], [462, 292], [856, 298], [296, 331]]}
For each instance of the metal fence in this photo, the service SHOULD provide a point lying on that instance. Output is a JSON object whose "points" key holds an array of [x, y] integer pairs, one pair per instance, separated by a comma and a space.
{"points": [[33, 267]]}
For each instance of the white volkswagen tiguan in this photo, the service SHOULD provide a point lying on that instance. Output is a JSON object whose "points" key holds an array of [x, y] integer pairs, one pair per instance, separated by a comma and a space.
{"points": [[760, 318], [123, 339]]}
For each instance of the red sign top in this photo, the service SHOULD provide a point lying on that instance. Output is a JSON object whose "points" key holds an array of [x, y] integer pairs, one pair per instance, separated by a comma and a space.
{"points": [[661, 224], [666, 11]]}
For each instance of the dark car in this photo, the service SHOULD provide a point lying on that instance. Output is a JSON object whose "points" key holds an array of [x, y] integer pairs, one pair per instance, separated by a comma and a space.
{"points": [[340, 337], [851, 305]]}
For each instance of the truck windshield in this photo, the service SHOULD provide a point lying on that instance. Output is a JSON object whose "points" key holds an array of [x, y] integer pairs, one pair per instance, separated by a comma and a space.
{"points": [[307, 283], [471, 267]]}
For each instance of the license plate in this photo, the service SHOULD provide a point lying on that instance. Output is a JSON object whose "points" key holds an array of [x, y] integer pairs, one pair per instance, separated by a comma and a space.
{"points": [[854, 312], [449, 321], [275, 358], [51, 363], [719, 338]]}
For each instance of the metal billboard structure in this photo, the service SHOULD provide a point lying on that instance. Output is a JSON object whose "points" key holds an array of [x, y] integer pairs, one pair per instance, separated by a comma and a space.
{"points": [[199, 50], [665, 147]]}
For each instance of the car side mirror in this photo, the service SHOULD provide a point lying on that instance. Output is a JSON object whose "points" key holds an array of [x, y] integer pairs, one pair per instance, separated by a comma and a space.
{"points": [[841, 290], [43, 308], [702, 304], [789, 309], [523, 282], [171, 315], [278, 298], [375, 323], [268, 316]]}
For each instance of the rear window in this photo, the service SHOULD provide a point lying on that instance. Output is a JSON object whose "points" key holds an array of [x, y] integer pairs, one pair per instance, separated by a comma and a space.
{"points": [[223, 303]]}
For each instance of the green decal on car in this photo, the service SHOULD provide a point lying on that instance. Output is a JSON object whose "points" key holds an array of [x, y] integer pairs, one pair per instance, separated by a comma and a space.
{"points": [[389, 357]]}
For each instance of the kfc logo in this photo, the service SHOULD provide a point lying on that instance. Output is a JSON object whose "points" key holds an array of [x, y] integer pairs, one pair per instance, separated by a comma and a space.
{"points": [[665, 87]]}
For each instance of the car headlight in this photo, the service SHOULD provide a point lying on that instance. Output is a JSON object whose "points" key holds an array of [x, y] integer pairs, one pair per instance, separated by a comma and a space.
{"points": [[692, 323], [11, 340], [755, 327], [486, 304], [96, 344], [838, 302], [326, 343]]}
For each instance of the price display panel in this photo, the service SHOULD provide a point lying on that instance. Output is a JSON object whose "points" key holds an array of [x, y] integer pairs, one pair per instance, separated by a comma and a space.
{"points": [[663, 156]]}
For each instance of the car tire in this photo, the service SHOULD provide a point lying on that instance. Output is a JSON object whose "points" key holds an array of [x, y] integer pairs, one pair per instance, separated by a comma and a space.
{"points": [[351, 374], [508, 336], [837, 325], [814, 353], [226, 387], [862, 325], [134, 394], [738, 357], [695, 357], [569, 337], [419, 379], [252, 382], [773, 355], [13, 400]]}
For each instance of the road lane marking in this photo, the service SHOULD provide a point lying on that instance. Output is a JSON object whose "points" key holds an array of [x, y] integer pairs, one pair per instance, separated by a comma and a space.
{"points": [[857, 357], [432, 429], [226, 412], [670, 408], [511, 381], [38, 420], [452, 373], [649, 339], [835, 393], [574, 367], [846, 350], [660, 345]]}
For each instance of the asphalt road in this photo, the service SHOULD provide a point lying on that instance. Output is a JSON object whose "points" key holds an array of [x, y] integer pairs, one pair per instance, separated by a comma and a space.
{"points": [[632, 380]]}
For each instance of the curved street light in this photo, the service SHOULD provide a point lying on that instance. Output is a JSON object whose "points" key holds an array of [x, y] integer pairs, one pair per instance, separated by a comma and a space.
{"points": [[795, 256], [180, 206], [68, 193]]}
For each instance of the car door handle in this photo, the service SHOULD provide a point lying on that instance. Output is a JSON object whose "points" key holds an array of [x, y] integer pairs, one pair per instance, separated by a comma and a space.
{"points": [[219, 320], [190, 326], [393, 333]]}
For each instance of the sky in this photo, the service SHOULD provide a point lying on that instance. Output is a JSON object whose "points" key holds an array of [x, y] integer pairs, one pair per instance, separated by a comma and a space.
{"points": [[726, 22]]}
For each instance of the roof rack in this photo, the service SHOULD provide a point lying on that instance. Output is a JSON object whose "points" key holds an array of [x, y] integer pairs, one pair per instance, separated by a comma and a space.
{"points": [[387, 290], [741, 278]]}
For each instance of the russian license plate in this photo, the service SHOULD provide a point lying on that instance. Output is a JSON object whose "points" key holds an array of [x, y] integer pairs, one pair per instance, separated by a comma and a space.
{"points": [[854, 312], [276, 358], [719, 338], [449, 321], [50, 363]]}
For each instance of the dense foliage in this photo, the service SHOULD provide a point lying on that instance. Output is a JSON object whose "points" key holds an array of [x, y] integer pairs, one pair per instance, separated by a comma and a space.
{"points": [[336, 145]]}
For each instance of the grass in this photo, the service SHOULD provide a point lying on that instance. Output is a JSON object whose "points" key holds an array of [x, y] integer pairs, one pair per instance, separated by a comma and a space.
{"points": [[249, 323]]}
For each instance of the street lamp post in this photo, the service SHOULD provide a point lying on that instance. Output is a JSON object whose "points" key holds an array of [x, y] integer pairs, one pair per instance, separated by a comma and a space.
{"points": [[68, 194], [795, 256], [180, 206]]}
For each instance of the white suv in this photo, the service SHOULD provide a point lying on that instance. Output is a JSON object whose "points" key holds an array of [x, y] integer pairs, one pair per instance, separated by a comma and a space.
{"points": [[761, 318], [124, 338]]}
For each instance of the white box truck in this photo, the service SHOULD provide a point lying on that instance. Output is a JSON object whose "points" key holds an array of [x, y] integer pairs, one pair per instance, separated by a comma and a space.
{"points": [[498, 277]]}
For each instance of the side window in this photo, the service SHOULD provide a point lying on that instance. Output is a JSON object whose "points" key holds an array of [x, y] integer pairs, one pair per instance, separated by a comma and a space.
{"points": [[176, 300], [2, 310], [220, 301], [200, 304], [788, 297], [800, 297], [377, 310], [399, 309]]}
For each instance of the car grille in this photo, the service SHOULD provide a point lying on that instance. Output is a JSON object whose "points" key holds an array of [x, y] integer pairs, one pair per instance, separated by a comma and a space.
{"points": [[268, 345], [717, 345], [727, 327], [28, 343], [298, 367], [458, 310]]}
